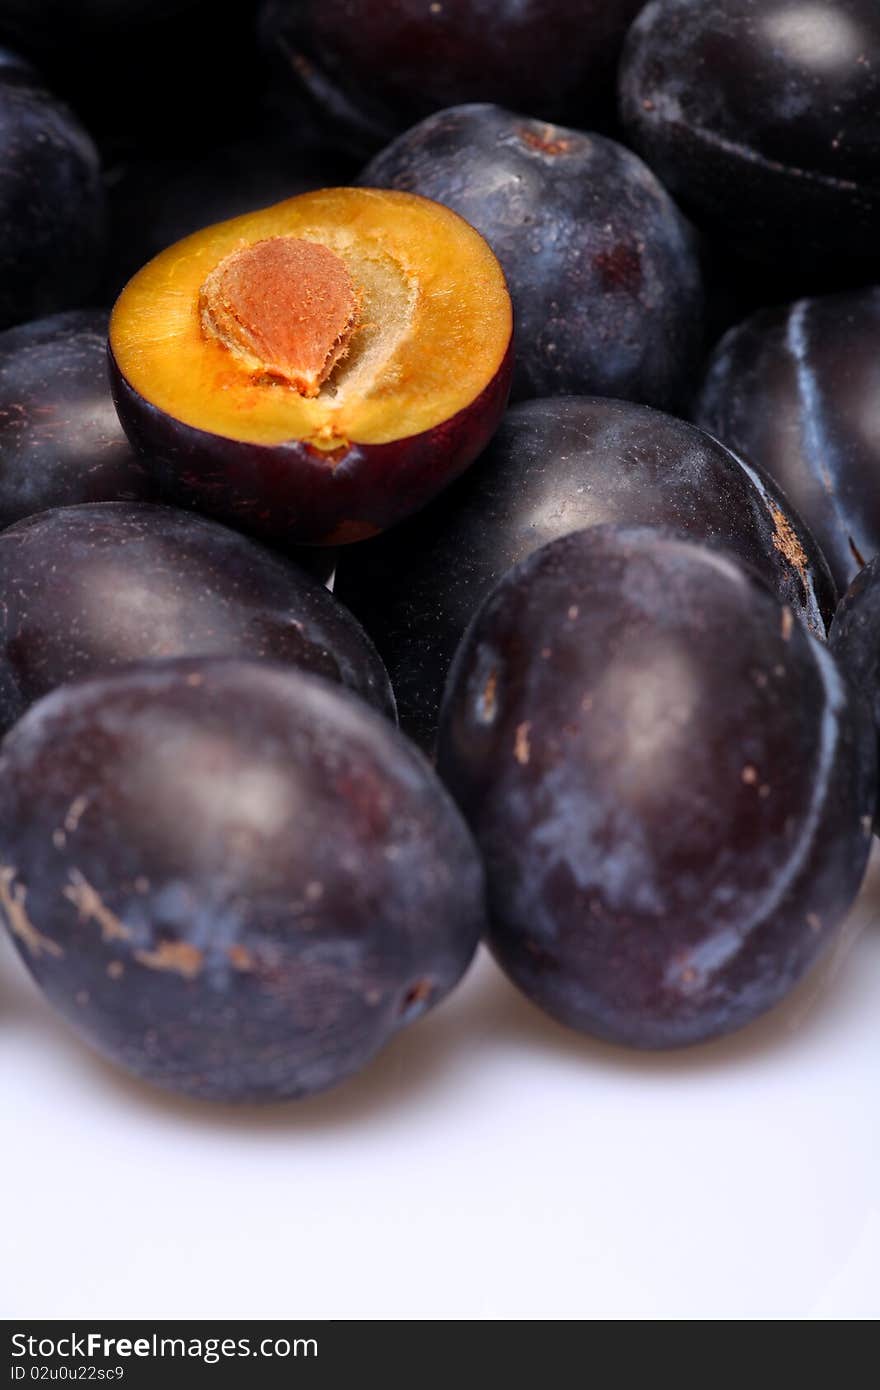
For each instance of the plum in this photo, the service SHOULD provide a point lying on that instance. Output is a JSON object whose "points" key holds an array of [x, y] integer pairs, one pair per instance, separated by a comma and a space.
{"points": [[556, 466], [762, 116], [855, 634], [369, 68], [60, 437], [671, 783], [89, 588], [795, 389], [51, 200], [235, 880], [316, 370], [603, 269]]}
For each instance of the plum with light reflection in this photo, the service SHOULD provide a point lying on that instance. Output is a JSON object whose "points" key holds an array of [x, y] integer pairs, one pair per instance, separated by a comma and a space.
{"points": [[90, 588], [235, 880], [796, 389], [670, 781], [60, 437], [855, 635], [761, 115]]}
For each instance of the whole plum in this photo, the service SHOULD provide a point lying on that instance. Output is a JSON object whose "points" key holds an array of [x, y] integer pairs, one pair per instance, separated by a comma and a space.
{"points": [[234, 880], [762, 116], [795, 390], [670, 781], [602, 267]]}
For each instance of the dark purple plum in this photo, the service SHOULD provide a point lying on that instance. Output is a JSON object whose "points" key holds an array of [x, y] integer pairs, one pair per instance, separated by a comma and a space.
{"points": [[763, 116], [90, 588], [553, 467], [370, 68], [602, 268], [51, 200], [235, 880], [855, 635], [60, 437], [670, 782], [796, 389]]}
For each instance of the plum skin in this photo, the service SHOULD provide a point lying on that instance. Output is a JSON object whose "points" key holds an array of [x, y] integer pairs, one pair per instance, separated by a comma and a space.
{"points": [[602, 267], [294, 493], [129, 582], [670, 782], [792, 388], [556, 466], [761, 116], [51, 201], [370, 68], [60, 438], [855, 636], [236, 881]]}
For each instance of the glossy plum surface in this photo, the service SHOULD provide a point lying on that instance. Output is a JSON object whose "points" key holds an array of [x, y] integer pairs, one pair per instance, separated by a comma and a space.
{"points": [[60, 438], [90, 588], [371, 68], [795, 389], [855, 634], [556, 466], [762, 116], [670, 781], [51, 200], [234, 880], [602, 267]]}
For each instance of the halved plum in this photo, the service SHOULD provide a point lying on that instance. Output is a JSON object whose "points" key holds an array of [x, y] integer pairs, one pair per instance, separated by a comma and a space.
{"points": [[317, 370]]}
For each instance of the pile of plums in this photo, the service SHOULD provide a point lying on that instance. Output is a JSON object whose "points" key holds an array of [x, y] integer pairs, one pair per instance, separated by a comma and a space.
{"points": [[278, 499]]}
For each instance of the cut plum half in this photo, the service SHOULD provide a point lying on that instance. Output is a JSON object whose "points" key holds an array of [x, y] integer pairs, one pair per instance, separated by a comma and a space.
{"points": [[317, 370]]}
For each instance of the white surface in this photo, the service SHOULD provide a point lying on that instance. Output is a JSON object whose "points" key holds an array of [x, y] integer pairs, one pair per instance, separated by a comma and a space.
{"points": [[490, 1165]]}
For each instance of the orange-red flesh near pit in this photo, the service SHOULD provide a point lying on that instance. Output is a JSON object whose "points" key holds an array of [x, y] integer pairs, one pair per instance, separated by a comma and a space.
{"points": [[285, 306]]}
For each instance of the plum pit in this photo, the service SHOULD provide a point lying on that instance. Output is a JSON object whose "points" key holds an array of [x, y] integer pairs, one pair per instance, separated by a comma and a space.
{"points": [[287, 306]]}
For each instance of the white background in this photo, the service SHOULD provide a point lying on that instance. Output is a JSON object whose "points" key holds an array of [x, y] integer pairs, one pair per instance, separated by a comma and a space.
{"points": [[489, 1165]]}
